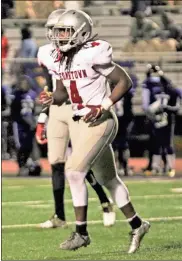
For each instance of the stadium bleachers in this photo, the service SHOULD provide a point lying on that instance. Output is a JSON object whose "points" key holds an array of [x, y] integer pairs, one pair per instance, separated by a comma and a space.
{"points": [[114, 29]]}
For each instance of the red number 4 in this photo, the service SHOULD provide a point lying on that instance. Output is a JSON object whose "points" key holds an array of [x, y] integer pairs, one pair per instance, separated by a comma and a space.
{"points": [[75, 97]]}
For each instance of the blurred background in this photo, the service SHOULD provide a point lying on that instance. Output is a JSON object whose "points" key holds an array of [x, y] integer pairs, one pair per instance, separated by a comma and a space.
{"points": [[141, 32]]}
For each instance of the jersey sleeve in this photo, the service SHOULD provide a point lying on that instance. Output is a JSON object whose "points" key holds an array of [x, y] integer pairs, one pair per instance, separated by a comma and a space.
{"points": [[102, 60], [39, 57], [45, 60]]}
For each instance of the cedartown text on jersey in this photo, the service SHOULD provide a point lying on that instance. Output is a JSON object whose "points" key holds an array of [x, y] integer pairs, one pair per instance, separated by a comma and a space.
{"points": [[72, 75]]}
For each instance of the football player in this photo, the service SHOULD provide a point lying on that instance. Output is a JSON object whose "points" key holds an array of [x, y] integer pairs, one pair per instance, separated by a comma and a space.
{"points": [[161, 101], [84, 67], [24, 124], [5, 114], [60, 128]]}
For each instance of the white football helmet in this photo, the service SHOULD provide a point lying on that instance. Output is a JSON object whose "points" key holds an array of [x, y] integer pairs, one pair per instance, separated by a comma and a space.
{"points": [[73, 28], [51, 21]]}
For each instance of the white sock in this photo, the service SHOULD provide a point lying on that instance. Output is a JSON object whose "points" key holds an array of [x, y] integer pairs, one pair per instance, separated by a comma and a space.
{"points": [[170, 161]]}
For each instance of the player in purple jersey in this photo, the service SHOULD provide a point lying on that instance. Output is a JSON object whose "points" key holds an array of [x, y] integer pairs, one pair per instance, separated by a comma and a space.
{"points": [[161, 101], [22, 112]]}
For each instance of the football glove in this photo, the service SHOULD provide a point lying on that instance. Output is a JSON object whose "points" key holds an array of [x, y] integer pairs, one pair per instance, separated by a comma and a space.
{"points": [[41, 133], [41, 129], [45, 97], [94, 114]]}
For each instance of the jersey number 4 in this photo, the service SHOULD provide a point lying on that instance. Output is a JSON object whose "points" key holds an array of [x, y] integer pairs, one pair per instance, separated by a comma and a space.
{"points": [[75, 97]]}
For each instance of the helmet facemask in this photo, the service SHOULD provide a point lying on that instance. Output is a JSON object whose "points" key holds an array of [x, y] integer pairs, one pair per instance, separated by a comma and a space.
{"points": [[66, 38]]}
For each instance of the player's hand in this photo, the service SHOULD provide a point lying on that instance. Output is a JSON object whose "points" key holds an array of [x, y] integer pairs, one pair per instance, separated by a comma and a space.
{"points": [[45, 97], [41, 133], [94, 114]]}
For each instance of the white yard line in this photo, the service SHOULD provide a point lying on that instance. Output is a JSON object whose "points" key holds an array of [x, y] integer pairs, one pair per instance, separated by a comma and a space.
{"points": [[9, 203], [14, 187], [176, 190], [92, 222], [131, 180]]}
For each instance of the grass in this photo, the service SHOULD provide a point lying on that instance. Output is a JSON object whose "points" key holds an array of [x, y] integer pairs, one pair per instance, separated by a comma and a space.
{"points": [[164, 242]]}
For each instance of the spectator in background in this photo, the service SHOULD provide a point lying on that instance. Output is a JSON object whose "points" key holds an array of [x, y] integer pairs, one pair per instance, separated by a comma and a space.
{"points": [[140, 5], [4, 49], [87, 3], [6, 6], [30, 12], [5, 118], [36, 9], [174, 2], [28, 46], [143, 31], [28, 49], [58, 4], [171, 33]]}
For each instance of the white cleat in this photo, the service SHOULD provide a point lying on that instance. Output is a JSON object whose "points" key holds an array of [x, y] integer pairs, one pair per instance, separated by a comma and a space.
{"points": [[46, 224], [137, 235], [109, 218], [53, 222], [171, 173]]}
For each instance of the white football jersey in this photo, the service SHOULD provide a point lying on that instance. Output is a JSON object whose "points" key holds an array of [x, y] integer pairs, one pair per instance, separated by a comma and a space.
{"points": [[45, 57], [87, 85]]}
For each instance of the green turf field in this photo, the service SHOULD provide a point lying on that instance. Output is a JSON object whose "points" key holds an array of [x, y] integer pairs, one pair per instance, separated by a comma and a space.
{"points": [[27, 202]]}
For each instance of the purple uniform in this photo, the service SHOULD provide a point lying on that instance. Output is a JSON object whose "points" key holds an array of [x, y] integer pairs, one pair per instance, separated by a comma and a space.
{"points": [[161, 101], [22, 111]]}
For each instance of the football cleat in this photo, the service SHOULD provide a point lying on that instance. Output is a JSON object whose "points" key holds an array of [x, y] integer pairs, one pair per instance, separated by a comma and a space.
{"points": [[109, 216], [75, 241], [147, 171], [125, 171], [35, 171], [137, 235], [54, 222], [23, 172], [171, 173], [156, 172]]}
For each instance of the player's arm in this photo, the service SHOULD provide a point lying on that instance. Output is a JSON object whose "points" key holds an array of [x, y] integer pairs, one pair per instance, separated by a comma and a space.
{"points": [[119, 77], [60, 95], [103, 64], [122, 82], [49, 88], [48, 78], [47, 98], [43, 116]]}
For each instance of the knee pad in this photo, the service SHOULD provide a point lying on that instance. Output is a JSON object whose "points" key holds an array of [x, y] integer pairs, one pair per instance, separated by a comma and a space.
{"points": [[58, 177], [75, 177], [78, 187], [119, 191]]}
